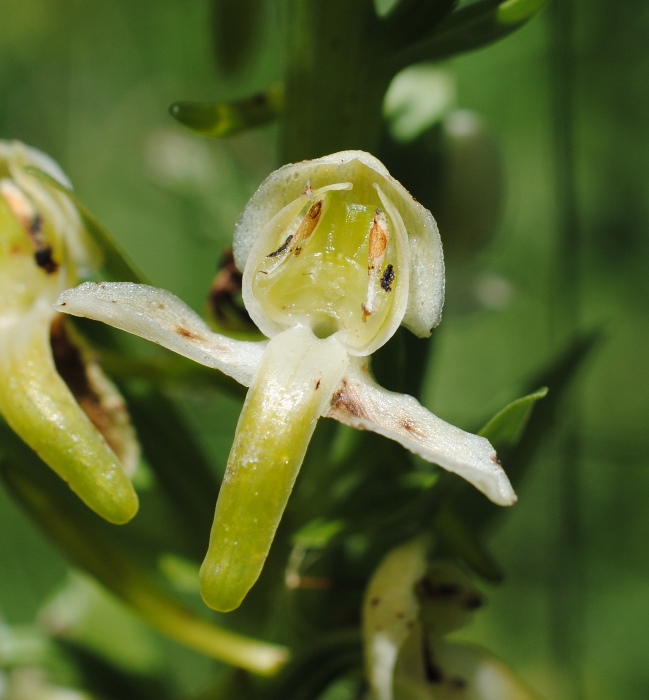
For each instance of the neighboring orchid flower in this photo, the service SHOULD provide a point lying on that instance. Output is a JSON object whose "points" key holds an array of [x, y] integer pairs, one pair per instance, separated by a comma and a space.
{"points": [[335, 256], [52, 393], [410, 606]]}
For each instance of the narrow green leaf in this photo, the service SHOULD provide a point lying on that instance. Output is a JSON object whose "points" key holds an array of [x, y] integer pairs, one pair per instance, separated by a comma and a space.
{"points": [[221, 119], [116, 262], [518, 11], [505, 429], [412, 19], [517, 439], [318, 533], [470, 27]]}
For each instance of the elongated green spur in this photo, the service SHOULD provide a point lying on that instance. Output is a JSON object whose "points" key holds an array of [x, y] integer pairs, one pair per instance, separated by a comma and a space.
{"points": [[335, 255]]}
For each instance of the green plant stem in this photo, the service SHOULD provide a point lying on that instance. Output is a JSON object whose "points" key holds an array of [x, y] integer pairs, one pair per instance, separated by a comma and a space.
{"points": [[335, 79], [568, 584]]}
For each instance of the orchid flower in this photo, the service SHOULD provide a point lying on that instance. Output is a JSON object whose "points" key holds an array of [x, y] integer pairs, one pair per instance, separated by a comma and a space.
{"points": [[52, 393], [409, 608], [335, 256]]}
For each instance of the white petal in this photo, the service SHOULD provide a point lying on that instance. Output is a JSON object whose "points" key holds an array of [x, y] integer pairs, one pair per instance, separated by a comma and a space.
{"points": [[426, 286], [159, 316], [363, 404], [390, 612]]}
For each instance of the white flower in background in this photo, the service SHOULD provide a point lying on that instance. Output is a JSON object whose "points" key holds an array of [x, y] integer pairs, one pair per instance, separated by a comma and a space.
{"points": [[410, 607], [52, 393], [335, 256]]}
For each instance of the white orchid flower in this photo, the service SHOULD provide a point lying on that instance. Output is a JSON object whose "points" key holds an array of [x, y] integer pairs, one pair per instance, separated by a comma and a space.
{"points": [[335, 256], [52, 392], [409, 608]]}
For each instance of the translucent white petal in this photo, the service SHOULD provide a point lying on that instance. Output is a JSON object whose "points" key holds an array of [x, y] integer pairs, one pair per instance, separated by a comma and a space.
{"points": [[363, 404], [159, 316]]}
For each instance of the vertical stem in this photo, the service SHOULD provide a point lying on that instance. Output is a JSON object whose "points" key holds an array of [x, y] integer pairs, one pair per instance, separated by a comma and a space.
{"points": [[335, 79], [568, 588]]}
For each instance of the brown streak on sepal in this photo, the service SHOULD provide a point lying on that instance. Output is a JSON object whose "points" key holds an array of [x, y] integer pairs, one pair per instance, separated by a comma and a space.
{"points": [[412, 428], [187, 334], [341, 401]]}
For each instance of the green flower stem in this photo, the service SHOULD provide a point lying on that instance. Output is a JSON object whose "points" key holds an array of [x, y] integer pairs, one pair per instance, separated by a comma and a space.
{"points": [[83, 542], [40, 408], [292, 388], [334, 79]]}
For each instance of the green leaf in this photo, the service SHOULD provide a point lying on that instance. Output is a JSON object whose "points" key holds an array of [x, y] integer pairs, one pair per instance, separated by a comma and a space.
{"points": [[518, 11], [412, 19], [116, 262], [517, 436], [505, 429], [221, 119], [318, 533], [471, 27]]}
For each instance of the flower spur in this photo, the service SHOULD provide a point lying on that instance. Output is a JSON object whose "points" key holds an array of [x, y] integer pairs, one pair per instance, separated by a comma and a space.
{"points": [[335, 255]]}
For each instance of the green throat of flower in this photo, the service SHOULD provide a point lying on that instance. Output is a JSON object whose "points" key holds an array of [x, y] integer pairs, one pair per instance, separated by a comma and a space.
{"points": [[332, 266]]}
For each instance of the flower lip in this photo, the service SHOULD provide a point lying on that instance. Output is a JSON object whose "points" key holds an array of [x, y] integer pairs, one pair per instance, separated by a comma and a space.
{"points": [[370, 288]]}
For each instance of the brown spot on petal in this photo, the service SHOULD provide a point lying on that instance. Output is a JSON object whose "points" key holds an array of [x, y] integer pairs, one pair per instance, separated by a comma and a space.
{"points": [[187, 334], [412, 428], [343, 402]]}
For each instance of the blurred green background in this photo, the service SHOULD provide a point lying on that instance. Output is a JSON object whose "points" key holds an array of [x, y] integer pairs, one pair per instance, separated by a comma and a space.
{"points": [[90, 84]]}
